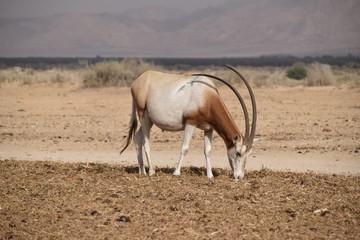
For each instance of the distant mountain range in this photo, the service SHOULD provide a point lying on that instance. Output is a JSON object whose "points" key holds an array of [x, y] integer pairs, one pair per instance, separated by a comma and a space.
{"points": [[235, 29]]}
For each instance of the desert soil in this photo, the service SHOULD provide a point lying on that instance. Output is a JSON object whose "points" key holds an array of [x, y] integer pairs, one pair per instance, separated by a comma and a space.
{"points": [[62, 176]]}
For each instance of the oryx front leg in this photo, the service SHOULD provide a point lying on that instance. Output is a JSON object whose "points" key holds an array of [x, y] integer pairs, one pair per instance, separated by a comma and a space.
{"points": [[189, 129], [146, 125], [207, 149]]}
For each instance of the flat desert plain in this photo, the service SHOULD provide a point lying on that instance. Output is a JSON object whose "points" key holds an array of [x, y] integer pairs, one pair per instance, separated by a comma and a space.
{"points": [[62, 177]]}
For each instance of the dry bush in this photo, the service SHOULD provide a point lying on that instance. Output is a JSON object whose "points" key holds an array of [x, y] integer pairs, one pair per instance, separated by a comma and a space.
{"points": [[3, 78], [347, 76], [30, 76], [258, 77], [320, 75], [271, 77], [113, 74], [123, 73]]}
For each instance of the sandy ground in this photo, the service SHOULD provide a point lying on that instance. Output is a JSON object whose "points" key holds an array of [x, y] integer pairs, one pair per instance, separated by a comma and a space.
{"points": [[54, 200], [300, 129], [61, 175]]}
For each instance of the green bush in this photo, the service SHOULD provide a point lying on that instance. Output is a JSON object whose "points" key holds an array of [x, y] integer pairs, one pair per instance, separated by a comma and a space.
{"points": [[297, 72], [114, 74]]}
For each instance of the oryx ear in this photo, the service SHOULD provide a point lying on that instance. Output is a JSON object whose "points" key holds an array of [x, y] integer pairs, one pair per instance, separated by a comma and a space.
{"points": [[236, 139]]}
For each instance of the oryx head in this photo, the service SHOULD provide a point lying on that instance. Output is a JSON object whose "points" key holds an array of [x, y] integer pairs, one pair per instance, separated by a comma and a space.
{"points": [[241, 146]]}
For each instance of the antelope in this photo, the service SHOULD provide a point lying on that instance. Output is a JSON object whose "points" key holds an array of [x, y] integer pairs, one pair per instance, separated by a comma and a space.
{"points": [[183, 103]]}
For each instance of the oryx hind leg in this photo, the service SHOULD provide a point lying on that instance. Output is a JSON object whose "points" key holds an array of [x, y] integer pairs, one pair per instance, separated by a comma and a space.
{"points": [[146, 125], [139, 144]]}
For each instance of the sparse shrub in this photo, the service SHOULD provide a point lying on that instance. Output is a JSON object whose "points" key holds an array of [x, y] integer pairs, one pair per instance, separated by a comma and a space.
{"points": [[58, 79], [26, 80], [2, 78], [30, 71], [353, 65], [347, 76], [297, 72], [260, 80], [31, 76], [113, 74], [320, 75]]}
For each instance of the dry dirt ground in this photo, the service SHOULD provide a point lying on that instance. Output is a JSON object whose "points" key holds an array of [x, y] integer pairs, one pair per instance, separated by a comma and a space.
{"points": [[103, 197], [50, 200]]}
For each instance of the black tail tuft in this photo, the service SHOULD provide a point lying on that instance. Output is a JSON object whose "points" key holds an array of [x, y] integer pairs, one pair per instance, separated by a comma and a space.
{"points": [[132, 129]]}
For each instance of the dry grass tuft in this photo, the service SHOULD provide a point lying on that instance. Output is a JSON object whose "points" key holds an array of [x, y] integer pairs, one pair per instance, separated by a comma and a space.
{"points": [[320, 75], [30, 76], [115, 74], [122, 74]]}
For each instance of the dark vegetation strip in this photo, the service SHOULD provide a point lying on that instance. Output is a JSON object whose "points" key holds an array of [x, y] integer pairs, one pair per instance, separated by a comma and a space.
{"points": [[180, 63]]}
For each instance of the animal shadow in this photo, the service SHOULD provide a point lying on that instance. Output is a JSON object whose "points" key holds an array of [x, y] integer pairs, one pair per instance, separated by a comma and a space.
{"points": [[194, 171]]}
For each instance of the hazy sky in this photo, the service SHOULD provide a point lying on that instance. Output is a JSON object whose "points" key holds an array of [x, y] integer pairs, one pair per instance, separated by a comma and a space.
{"points": [[32, 8]]}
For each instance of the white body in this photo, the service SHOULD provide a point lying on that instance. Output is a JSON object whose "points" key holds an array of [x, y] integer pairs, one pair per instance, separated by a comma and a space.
{"points": [[168, 103]]}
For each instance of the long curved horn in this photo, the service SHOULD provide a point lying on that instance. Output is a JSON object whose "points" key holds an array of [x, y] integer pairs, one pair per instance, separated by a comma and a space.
{"points": [[242, 102], [253, 103]]}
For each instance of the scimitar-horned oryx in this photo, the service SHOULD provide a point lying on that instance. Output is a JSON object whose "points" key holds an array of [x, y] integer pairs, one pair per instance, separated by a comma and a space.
{"points": [[184, 102]]}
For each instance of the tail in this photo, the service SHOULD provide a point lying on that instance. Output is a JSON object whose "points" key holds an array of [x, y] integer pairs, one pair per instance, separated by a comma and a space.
{"points": [[132, 127]]}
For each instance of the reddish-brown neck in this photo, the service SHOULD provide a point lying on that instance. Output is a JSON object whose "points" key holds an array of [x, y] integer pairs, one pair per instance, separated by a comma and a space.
{"points": [[214, 114], [223, 123]]}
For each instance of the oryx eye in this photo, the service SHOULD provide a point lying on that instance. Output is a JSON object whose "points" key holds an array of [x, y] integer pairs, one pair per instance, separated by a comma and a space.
{"points": [[238, 154]]}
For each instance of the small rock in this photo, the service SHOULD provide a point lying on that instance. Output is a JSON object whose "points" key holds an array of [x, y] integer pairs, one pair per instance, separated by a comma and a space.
{"points": [[357, 150], [174, 208], [93, 213], [123, 219], [322, 211]]}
